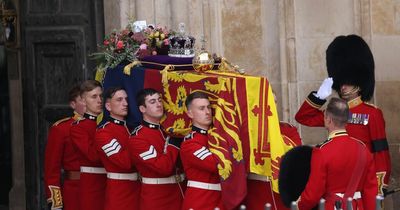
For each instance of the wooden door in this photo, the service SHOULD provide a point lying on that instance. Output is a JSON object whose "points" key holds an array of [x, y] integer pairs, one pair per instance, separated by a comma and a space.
{"points": [[57, 37]]}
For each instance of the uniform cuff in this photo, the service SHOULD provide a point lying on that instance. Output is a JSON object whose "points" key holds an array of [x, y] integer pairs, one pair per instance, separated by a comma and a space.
{"points": [[314, 100]]}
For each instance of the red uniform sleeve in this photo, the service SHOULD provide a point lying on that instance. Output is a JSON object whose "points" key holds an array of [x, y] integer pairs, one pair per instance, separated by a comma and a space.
{"points": [[53, 158], [290, 133], [368, 192], [198, 156], [294, 136], [309, 113], [112, 149], [380, 148], [315, 187], [146, 155], [83, 143]]}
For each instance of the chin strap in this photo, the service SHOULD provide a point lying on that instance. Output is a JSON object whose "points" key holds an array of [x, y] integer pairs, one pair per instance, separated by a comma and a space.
{"points": [[351, 92]]}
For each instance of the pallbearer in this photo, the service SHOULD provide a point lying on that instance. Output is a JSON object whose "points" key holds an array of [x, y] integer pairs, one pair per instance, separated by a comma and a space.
{"points": [[155, 155], [60, 155], [200, 165], [123, 187], [93, 174]]}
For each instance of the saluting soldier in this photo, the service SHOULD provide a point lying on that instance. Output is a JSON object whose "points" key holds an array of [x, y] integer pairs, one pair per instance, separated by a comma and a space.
{"points": [[155, 156], [123, 187], [341, 167], [350, 63], [93, 174], [200, 165], [60, 155]]}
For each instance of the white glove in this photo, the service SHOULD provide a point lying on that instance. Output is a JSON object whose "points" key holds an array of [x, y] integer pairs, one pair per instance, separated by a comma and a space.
{"points": [[325, 89]]}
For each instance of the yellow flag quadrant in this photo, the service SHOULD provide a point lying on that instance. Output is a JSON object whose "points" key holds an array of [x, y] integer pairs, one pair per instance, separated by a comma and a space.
{"points": [[266, 142]]}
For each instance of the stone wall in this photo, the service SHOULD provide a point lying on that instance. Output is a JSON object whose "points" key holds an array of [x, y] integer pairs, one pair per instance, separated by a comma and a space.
{"points": [[285, 40]]}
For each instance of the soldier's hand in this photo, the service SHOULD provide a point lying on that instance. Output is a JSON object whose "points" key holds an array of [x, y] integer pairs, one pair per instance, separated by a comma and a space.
{"points": [[325, 90]]}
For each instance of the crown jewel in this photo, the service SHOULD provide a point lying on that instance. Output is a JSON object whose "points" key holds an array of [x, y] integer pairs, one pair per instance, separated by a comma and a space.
{"points": [[181, 45]]}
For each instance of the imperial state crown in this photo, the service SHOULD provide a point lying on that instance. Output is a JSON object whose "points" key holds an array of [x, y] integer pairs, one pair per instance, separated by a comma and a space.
{"points": [[181, 45]]}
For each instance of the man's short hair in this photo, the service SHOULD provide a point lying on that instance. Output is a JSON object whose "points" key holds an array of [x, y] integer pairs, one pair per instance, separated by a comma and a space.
{"points": [[74, 92], [110, 92], [338, 110], [194, 95], [141, 95], [89, 85]]}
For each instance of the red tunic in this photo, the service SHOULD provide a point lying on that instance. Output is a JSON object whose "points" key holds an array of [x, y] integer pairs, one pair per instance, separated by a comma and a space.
{"points": [[60, 154], [366, 123], [112, 144], [259, 192], [200, 166], [332, 167], [154, 158], [92, 185]]}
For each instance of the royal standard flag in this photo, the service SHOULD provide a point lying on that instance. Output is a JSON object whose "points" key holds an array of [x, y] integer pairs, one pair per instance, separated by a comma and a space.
{"points": [[245, 135]]}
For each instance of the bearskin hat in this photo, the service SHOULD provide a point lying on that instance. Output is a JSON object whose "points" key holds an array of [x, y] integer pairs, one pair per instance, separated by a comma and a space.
{"points": [[293, 173], [349, 61]]}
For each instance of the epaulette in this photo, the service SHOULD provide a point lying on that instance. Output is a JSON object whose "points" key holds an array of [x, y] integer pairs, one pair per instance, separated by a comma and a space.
{"points": [[189, 136], [136, 130], [103, 126], [62, 120], [373, 105]]}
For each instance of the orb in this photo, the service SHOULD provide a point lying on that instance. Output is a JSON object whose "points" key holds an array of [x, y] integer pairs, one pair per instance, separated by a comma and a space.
{"points": [[203, 61]]}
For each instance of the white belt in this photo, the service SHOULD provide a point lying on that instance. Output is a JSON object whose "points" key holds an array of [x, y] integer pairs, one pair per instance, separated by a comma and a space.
{"points": [[357, 195], [165, 180], [204, 185], [123, 176], [93, 170], [258, 177]]}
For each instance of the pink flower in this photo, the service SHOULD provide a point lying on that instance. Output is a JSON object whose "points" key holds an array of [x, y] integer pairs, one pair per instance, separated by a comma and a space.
{"points": [[143, 46], [106, 42], [120, 44], [166, 41]]}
